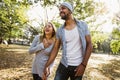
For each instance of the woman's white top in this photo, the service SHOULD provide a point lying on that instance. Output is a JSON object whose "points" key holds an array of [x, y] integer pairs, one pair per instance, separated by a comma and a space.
{"points": [[41, 55], [74, 51]]}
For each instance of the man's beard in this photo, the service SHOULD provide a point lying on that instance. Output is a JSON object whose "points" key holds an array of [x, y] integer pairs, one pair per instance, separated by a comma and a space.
{"points": [[65, 17]]}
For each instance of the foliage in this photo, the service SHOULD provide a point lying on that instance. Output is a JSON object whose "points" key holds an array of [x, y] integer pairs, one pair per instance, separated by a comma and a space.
{"points": [[43, 2], [116, 19], [14, 21], [84, 9], [105, 46], [116, 33], [115, 46], [12, 18], [97, 39], [115, 43]]}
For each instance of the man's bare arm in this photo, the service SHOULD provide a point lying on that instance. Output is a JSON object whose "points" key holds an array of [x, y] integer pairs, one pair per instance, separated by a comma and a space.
{"points": [[81, 68], [53, 53], [88, 50]]}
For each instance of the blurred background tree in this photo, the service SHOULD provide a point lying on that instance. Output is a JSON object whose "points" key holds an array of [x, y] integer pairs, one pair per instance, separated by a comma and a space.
{"points": [[12, 18], [115, 42]]}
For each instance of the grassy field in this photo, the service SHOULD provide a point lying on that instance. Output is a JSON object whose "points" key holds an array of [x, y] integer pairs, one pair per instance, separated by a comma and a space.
{"points": [[15, 64]]}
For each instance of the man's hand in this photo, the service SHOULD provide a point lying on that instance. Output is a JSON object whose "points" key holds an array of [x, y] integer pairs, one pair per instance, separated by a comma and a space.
{"points": [[80, 70], [44, 77], [46, 73]]}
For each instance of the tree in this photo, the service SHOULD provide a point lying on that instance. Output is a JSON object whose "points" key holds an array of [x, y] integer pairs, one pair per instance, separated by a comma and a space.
{"points": [[11, 19], [115, 43]]}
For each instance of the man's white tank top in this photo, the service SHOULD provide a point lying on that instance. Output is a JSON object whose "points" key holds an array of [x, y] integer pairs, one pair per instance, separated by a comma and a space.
{"points": [[74, 51]]}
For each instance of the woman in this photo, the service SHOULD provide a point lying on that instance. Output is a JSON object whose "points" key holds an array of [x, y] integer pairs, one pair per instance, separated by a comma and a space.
{"points": [[42, 47]]}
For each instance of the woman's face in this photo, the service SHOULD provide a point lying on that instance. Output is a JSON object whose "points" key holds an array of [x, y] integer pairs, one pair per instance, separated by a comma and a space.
{"points": [[48, 29]]}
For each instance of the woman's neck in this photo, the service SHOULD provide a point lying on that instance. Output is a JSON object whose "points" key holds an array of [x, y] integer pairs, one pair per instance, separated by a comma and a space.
{"points": [[48, 37]]}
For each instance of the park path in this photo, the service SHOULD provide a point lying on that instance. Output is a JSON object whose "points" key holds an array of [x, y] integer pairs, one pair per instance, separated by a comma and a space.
{"points": [[15, 64]]}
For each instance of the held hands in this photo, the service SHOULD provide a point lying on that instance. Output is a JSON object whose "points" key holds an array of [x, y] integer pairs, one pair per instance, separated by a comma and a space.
{"points": [[44, 77], [46, 73], [80, 70]]}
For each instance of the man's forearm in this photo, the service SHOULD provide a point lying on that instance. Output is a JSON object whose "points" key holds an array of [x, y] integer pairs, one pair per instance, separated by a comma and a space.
{"points": [[53, 53], [87, 54], [51, 58]]}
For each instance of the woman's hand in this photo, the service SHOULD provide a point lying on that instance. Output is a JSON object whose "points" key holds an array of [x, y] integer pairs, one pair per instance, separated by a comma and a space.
{"points": [[46, 43]]}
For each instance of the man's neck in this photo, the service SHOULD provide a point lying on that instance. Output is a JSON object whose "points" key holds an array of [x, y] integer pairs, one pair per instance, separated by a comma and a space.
{"points": [[70, 23]]}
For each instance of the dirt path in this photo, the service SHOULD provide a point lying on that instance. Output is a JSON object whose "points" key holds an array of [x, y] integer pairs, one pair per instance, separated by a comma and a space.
{"points": [[15, 64]]}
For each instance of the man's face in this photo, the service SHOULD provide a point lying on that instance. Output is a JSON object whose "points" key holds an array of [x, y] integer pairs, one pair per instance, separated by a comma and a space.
{"points": [[64, 12]]}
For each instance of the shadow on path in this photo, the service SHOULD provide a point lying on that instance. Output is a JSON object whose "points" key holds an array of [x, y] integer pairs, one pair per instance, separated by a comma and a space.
{"points": [[14, 57], [112, 69]]}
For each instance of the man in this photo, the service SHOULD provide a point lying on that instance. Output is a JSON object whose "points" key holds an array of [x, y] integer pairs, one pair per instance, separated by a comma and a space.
{"points": [[76, 46]]}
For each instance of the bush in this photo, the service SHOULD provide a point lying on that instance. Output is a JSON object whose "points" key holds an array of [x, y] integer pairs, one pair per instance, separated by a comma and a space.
{"points": [[115, 46]]}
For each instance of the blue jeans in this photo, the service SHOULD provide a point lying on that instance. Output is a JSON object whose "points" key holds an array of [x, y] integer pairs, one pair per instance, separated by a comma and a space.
{"points": [[64, 73]]}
